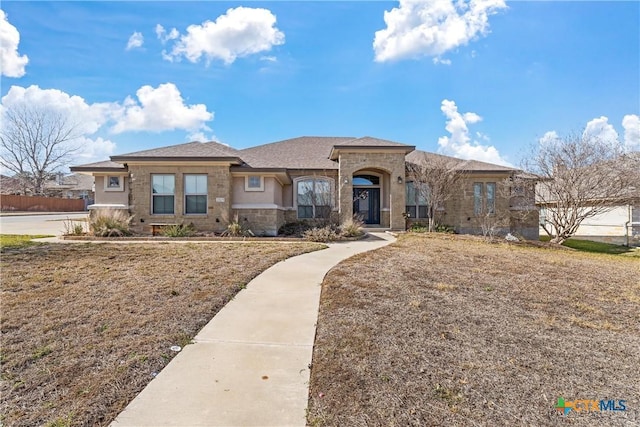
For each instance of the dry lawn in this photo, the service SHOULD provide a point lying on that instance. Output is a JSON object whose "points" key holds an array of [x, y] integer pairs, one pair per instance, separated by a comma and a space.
{"points": [[452, 331], [85, 327]]}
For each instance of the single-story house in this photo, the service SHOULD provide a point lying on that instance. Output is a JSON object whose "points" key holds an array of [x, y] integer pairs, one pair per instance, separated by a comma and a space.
{"points": [[305, 178]]}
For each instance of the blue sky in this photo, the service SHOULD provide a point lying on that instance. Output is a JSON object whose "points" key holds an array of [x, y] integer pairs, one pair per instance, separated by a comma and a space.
{"points": [[482, 80]]}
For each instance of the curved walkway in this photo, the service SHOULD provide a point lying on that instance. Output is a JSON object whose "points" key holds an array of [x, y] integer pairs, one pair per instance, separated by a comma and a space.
{"points": [[249, 366]]}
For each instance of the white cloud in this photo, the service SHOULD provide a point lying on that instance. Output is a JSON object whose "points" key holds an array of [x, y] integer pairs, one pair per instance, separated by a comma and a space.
{"points": [[600, 128], [94, 150], [201, 137], [438, 60], [549, 137], [162, 35], [460, 144], [156, 109], [11, 63], [240, 32], [269, 58], [159, 109], [431, 28], [88, 117], [631, 126], [136, 40]]}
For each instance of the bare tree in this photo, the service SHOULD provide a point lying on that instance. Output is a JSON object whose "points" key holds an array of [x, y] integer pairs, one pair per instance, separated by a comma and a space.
{"points": [[580, 177], [35, 142], [436, 179]]}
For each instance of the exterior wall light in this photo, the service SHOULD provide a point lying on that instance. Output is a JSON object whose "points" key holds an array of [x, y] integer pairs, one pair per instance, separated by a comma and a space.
{"points": [[399, 180]]}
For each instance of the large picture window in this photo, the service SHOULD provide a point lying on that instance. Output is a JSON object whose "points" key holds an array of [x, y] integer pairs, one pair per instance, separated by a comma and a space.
{"points": [[416, 202], [163, 194], [195, 194], [314, 198]]}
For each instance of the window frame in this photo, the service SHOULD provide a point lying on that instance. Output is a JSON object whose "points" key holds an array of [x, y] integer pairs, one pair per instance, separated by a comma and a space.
{"points": [[314, 207], [196, 194], [154, 195], [420, 210], [247, 182], [484, 201], [107, 182]]}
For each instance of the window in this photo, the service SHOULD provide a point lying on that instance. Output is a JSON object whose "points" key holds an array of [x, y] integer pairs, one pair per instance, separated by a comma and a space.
{"points": [[477, 198], [253, 183], [491, 197], [484, 198], [314, 198], [416, 202], [163, 190], [195, 194], [366, 180], [113, 183]]}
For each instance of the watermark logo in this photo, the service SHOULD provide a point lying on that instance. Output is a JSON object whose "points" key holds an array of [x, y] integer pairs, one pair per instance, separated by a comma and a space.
{"points": [[588, 405]]}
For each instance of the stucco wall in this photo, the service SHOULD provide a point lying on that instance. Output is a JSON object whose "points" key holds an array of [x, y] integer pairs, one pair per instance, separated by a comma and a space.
{"points": [[111, 197], [271, 194]]}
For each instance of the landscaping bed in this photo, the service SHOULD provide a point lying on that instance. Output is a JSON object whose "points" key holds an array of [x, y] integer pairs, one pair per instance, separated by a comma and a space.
{"points": [[452, 330], [85, 327]]}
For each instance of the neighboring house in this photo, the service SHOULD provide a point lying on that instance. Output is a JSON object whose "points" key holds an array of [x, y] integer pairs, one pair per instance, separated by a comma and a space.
{"points": [[74, 186], [620, 225], [207, 184], [10, 185]]}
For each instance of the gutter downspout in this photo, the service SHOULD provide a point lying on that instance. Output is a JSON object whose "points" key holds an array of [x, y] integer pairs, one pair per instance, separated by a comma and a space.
{"points": [[626, 226]]}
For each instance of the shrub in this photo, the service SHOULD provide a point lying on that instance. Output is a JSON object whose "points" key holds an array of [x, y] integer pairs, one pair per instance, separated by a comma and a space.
{"points": [[296, 228], [321, 234], [443, 228], [352, 227], [418, 227], [73, 228], [110, 223], [179, 230], [236, 229]]}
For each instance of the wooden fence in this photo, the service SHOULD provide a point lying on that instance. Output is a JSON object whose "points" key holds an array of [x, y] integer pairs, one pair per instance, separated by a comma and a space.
{"points": [[11, 203]]}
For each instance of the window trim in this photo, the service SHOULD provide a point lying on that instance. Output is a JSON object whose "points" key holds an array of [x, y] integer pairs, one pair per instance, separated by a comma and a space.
{"points": [[297, 181], [205, 194], [247, 179], [163, 194], [119, 187]]}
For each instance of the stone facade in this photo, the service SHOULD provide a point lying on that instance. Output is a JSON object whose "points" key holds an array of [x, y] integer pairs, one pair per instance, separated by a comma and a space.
{"points": [[261, 222], [391, 165], [511, 215], [218, 197]]}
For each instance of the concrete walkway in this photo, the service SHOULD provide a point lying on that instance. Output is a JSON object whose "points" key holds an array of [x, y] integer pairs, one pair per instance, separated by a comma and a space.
{"points": [[249, 366]]}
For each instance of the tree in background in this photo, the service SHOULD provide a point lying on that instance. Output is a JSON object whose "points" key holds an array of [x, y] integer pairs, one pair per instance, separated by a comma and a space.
{"points": [[436, 179], [35, 142], [581, 176]]}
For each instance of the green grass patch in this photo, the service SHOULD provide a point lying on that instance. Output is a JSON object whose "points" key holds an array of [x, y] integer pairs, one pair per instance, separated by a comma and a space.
{"points": [[19, 240], [596, 247]]}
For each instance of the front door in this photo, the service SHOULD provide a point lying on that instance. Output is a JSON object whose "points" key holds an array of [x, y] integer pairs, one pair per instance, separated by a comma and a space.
{"points": [[366, 203]]}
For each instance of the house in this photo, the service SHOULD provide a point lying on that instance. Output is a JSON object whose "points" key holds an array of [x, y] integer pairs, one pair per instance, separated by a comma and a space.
{"points": [[74, 186], [302, 178]]}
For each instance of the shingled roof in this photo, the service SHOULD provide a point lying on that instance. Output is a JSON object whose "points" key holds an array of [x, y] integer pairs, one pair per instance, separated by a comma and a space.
{"points": [[306, 152], [418, 156], [191, 150], [309, 152], [106, 166]]}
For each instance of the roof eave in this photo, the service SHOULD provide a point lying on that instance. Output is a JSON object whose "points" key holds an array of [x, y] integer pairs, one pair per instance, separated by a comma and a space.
{"points": [[335, 150], [135, 159]]}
